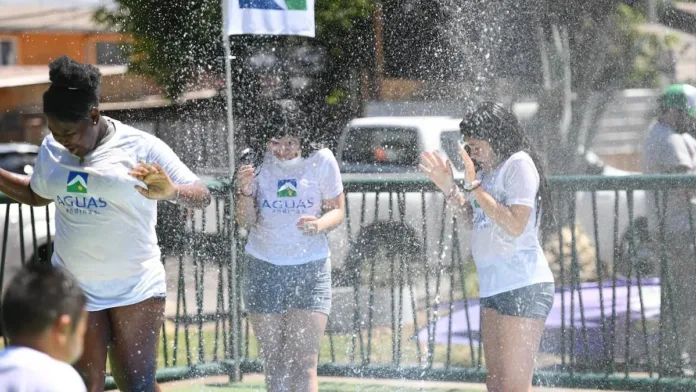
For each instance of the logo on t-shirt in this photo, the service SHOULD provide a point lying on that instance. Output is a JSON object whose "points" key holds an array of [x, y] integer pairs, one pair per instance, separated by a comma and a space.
{"points": [[287, 188], [77, 182], [79, 205], [479, 219]]}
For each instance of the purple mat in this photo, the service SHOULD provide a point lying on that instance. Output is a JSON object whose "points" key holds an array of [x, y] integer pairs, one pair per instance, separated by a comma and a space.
{"points": [[552, 341]]}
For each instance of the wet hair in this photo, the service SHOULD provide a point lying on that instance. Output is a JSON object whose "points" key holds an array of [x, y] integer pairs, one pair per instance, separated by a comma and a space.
{"points": [[37, 296], [283, 118], [74, 90], [497, 125]]}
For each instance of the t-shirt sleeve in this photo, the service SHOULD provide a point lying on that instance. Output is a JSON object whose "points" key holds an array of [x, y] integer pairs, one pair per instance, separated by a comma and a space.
{"points": [[39, 178], [675, 153], [330, 183], [73, 381], [521, 183], [161, 153]]}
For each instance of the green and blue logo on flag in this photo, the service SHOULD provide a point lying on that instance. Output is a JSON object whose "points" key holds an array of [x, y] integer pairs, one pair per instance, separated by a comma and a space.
{"points": [[292, 5]]}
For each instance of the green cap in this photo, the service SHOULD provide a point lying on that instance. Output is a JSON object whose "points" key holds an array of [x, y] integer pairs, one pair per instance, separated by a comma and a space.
{"points": [[681, 97]]}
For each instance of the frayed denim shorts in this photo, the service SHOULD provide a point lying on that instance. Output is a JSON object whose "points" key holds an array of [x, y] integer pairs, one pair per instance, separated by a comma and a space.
{"points": [[275, 289], [534, 301]]}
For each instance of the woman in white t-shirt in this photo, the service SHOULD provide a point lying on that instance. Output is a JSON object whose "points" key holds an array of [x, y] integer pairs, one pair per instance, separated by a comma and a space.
{"points": [[105, 179], [505, 201], [295, 197]]}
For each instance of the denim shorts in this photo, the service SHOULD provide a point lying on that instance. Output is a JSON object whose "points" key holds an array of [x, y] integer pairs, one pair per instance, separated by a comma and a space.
{"points": [[271, 288], [534, 301]]}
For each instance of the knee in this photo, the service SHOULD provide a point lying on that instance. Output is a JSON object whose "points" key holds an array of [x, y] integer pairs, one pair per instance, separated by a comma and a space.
{"points": [[303, 366], [93, 375]]}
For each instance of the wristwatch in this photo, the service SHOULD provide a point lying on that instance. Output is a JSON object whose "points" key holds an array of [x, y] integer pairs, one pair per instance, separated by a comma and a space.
{"points": [[470, 186]]}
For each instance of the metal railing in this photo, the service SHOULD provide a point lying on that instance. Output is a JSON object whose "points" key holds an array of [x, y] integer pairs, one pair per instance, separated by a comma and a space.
{"points": [[405, 297]]}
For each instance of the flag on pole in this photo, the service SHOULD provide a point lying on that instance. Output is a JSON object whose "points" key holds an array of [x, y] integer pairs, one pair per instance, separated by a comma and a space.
{"points": [[270, 17]]}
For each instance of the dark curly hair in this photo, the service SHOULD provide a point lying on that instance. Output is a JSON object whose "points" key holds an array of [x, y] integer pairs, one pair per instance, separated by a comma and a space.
{"points": [[283, 118], [74, 90], [497, 125]]}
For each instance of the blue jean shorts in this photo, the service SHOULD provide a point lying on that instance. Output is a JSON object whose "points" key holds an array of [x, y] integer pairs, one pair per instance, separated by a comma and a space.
{"points": [[275, 289], [534, 301]]}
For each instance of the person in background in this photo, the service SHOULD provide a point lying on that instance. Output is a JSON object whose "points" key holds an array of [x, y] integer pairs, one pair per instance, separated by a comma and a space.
{"points": [[295, 198], [105, 179], [505, 199], [670, 148], [45, 321]]}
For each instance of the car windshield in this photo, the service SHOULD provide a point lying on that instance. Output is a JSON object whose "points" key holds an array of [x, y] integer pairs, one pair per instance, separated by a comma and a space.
{"points": [[449, 141], [382, 146]]}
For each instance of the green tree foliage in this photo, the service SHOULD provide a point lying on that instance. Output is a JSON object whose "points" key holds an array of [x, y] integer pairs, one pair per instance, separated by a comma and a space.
{"points": [[176, 42]]}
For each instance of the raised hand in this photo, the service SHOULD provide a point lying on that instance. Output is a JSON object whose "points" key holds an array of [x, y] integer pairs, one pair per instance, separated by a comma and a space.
{"points": [[439, 170]]}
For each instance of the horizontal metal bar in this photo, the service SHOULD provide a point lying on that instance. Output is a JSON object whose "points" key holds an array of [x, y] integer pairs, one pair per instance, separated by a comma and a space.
{"points": [[390, 183]]}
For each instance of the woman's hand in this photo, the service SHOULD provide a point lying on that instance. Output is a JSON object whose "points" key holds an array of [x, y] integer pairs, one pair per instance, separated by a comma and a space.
{"points": [[439, 170], [308, 225], [245, 180], [469, 167], [159, 185]]}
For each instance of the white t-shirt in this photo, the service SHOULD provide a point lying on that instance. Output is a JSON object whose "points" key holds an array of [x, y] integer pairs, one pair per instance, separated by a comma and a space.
{"points": [[505, 262], [105, 229], [24, 369], [665, 150], [283, 195]]}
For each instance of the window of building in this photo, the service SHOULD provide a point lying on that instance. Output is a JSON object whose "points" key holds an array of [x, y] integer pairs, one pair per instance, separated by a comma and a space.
{"points": [[8, 52], [113, 53]]}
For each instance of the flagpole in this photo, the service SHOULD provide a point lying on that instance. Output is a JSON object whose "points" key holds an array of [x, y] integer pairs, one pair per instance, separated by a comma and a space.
{"points": [[235, 375]]}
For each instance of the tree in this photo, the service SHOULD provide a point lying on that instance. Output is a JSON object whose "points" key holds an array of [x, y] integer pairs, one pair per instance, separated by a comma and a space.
{"points": [[570, 55], [588, 51], [178, 43]]}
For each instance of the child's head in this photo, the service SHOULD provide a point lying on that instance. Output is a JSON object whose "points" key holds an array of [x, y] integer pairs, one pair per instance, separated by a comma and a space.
{"points": [[44, 308]]}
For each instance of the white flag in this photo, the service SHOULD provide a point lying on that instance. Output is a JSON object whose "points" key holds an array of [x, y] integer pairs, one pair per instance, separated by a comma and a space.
{"points": [[270, 17]]}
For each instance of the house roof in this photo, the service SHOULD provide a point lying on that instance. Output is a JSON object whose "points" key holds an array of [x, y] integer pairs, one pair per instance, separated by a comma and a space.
{"points": [[49, 18], [15, 76], [686, 7]]}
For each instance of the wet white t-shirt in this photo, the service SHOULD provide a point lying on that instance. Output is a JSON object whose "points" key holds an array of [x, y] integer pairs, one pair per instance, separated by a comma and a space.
{"points": [[105, 229], [504, 262], [23, 369], [283, 195]]}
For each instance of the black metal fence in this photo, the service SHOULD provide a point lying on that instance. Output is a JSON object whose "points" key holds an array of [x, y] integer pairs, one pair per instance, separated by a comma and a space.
{"points": [[405, 290]]}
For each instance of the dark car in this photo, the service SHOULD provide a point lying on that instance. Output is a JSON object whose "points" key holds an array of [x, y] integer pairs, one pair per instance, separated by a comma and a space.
{"points": [[18, 158]]}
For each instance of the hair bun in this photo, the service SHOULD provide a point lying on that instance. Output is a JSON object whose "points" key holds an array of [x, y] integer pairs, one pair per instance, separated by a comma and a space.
{"points": [[68, 73]]}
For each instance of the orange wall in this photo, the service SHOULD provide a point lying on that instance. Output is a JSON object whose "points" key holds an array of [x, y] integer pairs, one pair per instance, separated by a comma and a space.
{"points": [[42, 48]]}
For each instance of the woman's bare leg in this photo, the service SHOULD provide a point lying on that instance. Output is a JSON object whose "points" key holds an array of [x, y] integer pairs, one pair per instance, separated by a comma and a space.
{"points": [[135, 341], [514, 350], [92, 364], [303, 340], [269, 330]]}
